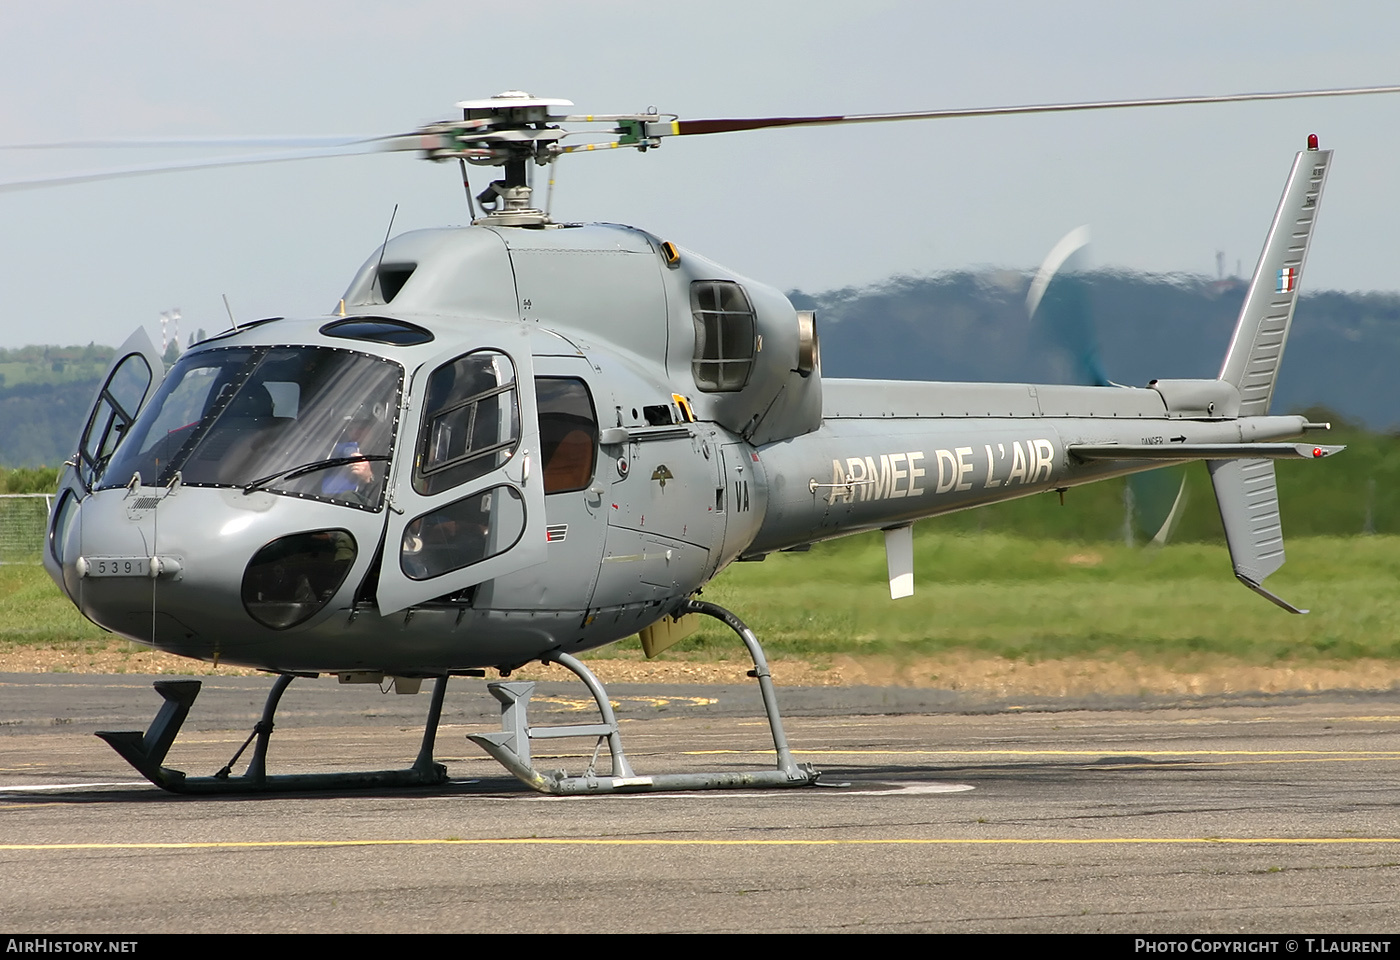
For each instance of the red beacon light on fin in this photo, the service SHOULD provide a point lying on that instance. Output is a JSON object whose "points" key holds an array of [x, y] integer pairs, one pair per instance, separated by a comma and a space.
{"points": [[1312, 141], [1317, 451]]}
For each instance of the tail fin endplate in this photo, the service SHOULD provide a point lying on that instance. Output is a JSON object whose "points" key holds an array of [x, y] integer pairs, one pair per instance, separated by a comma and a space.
{"points": [[1248, 498]]}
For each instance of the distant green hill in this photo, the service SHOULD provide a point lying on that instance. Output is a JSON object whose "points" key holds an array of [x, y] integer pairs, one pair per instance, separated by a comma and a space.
{"points": [[39, 423], [44, 393], [53, 366], [1342, 353]]}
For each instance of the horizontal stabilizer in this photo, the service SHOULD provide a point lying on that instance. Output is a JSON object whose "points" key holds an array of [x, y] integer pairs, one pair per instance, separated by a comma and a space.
{"points": [[1247, 495], [1201, 451]]}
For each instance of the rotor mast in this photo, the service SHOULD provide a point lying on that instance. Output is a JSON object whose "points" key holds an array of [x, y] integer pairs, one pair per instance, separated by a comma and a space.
{"points": [[511, 130]]}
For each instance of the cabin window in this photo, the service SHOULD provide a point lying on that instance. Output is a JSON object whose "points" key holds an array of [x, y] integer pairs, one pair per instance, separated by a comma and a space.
{"points": [[568, 433], [462, 533], [292, 578], [724, 335], [471, 421]]}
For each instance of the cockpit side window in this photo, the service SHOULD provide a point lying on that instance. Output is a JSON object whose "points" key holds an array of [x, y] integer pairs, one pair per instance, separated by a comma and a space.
{"points": [[116, 408], [471, 421], [725, 335], [568, 433]]}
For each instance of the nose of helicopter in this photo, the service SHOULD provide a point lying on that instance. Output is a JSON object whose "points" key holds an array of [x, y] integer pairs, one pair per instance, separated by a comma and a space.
{"points": [[208, 572]]}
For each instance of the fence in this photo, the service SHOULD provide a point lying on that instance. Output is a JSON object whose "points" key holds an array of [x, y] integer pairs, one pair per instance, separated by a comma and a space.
{"points": [[24, 520]]}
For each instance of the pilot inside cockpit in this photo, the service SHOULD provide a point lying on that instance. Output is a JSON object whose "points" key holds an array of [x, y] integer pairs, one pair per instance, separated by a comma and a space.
{"points": [[353, 481]]}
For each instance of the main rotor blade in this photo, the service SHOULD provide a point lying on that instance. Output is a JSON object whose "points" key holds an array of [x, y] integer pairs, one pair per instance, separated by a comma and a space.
{"points": [[153, 142], [113, 173], [688, 127]]}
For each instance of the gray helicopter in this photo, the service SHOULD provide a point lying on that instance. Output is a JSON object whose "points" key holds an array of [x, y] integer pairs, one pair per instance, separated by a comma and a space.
{"points": [[521, 440]]}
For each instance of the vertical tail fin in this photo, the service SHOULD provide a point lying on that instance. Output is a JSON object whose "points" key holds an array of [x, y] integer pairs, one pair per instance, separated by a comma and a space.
{"points": [[1252, 362], [1246, 490]]}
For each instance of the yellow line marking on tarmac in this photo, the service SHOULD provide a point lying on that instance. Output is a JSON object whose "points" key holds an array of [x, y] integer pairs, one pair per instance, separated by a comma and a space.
{"points": [[1375, 719], [587, 703], [1119, 751], [639, 842]]}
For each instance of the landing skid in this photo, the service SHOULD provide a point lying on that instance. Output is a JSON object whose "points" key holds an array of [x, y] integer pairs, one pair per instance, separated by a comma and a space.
{"points": [[146, 751], [511, 747]]}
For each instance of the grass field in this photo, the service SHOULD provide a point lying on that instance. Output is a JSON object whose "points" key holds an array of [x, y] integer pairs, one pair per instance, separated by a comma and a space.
{"points": [[999, 595], [988, 595], [33, 611]]}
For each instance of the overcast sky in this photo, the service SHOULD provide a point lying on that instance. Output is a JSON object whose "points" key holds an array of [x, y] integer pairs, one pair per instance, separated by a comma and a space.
{"points": [[811, 209]]}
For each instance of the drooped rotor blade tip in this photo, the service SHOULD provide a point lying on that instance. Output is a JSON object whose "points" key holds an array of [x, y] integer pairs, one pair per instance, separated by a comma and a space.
{"points": [[114, 173]]}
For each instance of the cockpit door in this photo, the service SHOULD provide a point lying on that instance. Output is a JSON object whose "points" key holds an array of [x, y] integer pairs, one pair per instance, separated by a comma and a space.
{"points": [[131, 380], [467, 501]]}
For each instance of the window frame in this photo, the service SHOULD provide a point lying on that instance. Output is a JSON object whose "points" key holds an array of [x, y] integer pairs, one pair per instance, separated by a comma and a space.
{"points": [[547, 456], [726, 335], [436, 474]]}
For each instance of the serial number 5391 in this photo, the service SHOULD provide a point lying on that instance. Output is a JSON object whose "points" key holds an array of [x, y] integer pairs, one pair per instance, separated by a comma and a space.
{"points": [[118, 566]]}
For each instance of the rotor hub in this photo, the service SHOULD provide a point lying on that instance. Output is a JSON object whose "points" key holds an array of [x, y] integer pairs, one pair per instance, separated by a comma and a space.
{"points": [[508, 130]]}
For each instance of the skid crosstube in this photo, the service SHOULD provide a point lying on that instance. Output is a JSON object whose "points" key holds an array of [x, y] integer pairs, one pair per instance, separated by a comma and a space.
{"points": [[511, 746]]}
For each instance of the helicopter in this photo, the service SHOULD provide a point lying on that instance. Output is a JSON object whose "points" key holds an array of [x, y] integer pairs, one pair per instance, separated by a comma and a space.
{"points": [[523, 439]]}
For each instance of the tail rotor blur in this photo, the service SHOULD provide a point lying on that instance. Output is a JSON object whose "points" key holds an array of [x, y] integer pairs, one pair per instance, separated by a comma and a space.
{"points": [[1060, 299]]}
